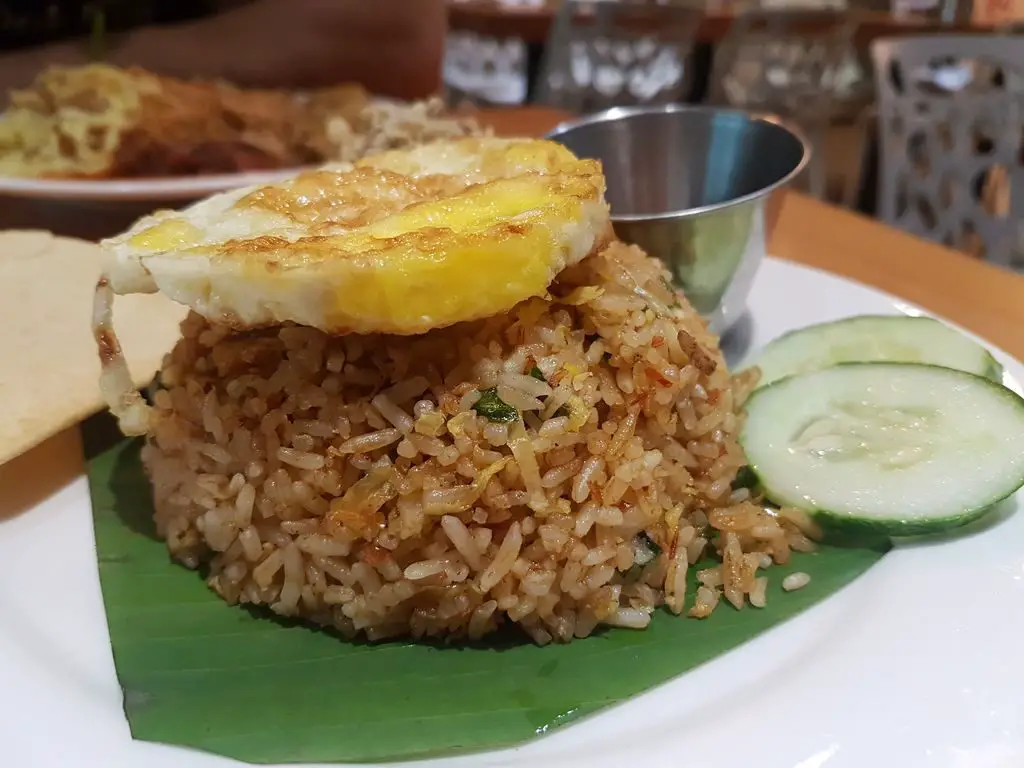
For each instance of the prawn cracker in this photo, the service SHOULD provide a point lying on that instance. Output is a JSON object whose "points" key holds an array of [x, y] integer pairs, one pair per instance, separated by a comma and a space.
{"points": [[49, 368]]}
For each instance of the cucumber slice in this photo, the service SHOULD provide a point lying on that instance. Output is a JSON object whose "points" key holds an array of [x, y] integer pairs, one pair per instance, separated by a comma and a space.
{"points": [[871, 338], [893, 448]]}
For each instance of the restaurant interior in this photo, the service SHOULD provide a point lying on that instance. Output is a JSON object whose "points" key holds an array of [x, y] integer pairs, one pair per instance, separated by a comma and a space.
{"points": [[908, 108], [460, 383]]}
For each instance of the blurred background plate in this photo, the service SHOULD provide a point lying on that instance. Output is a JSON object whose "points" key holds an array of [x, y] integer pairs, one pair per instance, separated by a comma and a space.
{"points": [[180, 189], [94, 209]]}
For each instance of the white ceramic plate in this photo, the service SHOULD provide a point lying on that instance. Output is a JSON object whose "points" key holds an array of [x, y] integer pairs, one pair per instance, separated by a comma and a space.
{"points": [[917, 663], [182, 188]]}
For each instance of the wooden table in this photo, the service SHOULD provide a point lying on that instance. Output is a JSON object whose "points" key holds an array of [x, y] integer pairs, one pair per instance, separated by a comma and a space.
{"points": [[532, 23], [984, 299]]}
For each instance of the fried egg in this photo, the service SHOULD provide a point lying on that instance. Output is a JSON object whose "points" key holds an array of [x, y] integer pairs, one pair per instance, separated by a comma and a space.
{"points": [[400, 243]]}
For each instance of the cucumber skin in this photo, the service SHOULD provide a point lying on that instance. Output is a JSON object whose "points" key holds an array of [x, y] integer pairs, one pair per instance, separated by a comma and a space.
{"points": [[841, 525], [993, 370], [844, 525]]}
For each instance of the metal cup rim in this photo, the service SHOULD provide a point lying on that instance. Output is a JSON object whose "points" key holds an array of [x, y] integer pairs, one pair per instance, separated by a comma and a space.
{"points": [[618, 113]]}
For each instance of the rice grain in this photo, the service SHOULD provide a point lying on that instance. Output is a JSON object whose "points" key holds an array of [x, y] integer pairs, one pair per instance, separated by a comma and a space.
{"points": [[349, 481]]}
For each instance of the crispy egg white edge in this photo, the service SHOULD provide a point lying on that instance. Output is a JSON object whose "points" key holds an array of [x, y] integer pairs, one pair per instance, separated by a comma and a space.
{"points": [[128, 267], [449, 157], [128, 272], [221, 291]]}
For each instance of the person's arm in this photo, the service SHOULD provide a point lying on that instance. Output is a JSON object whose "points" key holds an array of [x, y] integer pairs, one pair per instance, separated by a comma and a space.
{"points": [[392, 47]]}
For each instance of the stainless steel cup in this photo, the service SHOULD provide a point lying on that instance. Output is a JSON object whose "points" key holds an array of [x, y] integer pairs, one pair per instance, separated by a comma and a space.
{"points": [[694, 186]]}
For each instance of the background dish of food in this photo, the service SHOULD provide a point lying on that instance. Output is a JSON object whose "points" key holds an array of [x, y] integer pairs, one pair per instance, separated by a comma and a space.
{"points": [[803, 693], [85, 151], [102, 122], [166, 190]]}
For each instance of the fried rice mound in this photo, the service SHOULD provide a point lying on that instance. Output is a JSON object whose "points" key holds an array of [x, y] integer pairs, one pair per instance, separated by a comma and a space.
{"points": [[558, 468]]}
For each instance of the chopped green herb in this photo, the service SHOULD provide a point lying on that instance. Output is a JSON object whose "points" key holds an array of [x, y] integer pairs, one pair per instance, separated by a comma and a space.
{"points": [[645, 550], [537, 373], [672, 290], [148, 393], [745, 478], [493, 408]]}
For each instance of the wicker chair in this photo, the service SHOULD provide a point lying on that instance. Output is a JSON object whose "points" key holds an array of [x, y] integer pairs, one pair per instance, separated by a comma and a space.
{"points": [[951, 133]]}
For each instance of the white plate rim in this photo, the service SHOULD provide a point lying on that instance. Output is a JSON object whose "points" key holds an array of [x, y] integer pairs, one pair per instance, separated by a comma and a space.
{"points": [[178, 188]]}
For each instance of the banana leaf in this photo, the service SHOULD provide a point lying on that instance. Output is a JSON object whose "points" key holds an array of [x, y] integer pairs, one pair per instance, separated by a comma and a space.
{"points": [[199, 673]]}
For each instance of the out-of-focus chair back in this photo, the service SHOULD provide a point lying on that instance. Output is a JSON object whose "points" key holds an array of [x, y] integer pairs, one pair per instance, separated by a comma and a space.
{"points": [[797, 62], [604, 53], [951, 133], [484, 70]]}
